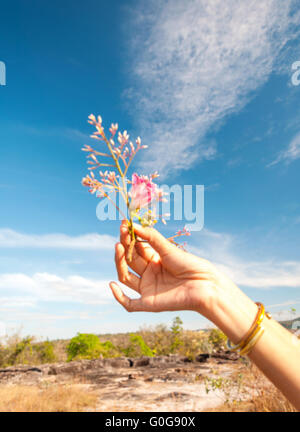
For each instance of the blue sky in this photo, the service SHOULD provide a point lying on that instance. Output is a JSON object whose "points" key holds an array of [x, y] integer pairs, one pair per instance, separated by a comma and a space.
{"points": [[208, 89]]}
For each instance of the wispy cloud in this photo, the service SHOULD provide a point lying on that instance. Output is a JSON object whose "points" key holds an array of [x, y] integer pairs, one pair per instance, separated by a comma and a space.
{"points": [[284, 314], [286, 303], [75, 134], [31, 302], [93, 241], [220, 249], [291, 153], [29, 290], [57, 132], [196, 62]]}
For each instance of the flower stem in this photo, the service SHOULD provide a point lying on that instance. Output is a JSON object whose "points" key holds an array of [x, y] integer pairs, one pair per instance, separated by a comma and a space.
{"points": [[122, 174]]}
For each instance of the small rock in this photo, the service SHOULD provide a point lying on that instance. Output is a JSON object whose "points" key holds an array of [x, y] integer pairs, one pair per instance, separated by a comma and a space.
{"points": [[120, 362], [143, 361], [202, 358]]}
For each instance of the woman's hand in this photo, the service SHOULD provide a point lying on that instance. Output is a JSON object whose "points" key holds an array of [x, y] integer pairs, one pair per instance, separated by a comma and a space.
{"points": [[167, 278]]}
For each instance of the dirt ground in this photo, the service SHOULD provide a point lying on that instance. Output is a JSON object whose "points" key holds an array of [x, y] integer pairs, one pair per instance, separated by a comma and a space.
{"points": [[162, 384]]}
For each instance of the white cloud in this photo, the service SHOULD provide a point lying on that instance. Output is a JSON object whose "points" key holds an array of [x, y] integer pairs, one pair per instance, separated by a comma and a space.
{"points": [[92, 241], [291, 153], [219, 248], [75, 134], [16, 302], [68, 133], [286, 303], [268, 274], [32, 298], [34, 301], [194, 63], [29, 290], [284, 315]]}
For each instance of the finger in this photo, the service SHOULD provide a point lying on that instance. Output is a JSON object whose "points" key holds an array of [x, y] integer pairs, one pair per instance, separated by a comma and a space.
{"points": [[124, 234], [131, 305], [138, 263], [124, 275], [159, 243], [147, 252]]}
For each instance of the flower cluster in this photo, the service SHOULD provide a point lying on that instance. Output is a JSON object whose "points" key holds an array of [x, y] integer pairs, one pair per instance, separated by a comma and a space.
{"points": [[180, 233], [122, 150], [184, 231], [143, 195]]}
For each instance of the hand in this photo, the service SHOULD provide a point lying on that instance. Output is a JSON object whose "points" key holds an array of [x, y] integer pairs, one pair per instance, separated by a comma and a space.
{"points": [[169, 279], [166, 277]]}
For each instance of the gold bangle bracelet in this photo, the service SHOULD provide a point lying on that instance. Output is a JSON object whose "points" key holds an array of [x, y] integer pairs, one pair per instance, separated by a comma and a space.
{"points": [[253, 335], [257, 320], [252, 342]]}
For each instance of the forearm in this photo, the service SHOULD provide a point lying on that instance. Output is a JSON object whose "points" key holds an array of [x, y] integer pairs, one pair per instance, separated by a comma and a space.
{"points": [[276, 354], [171, 279]]}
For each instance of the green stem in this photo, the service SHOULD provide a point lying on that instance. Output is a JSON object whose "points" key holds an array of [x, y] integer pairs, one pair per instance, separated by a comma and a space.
{"points": [[122, 174]]}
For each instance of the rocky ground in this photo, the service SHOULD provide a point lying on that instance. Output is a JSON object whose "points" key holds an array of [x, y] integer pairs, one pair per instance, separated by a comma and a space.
{"points": [[164, 383]]}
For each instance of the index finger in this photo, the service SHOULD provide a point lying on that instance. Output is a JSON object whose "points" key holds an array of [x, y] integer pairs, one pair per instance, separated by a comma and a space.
{"points": [[158, 242]]}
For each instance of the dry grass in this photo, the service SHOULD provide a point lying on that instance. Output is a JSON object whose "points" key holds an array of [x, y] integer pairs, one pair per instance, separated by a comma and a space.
{"points": [[53, 398], [262, 395], [60, 349], [271, 401]]}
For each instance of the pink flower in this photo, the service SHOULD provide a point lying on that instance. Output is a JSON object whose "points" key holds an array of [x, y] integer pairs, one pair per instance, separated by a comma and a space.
{"points": [[143, 191], [113, 128], [123, 139]]}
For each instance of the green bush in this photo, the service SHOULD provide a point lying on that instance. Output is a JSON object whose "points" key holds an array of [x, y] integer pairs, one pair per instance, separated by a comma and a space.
{"points": [[15, 350], [45, 352], [138, 347], [88, 346], [176, 327], [20, 353], [108, 349], [158, 338], [177, 331], [217, 339]]}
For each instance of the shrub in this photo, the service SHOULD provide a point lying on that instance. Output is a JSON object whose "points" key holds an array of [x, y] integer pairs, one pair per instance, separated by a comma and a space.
{"points": [[84, 345], [88, 346], [176, 327], [163, 340], [108, 349], [2, 355], [20, 352], [177, 331], [217, 339], [45, 351], [138, 347], [158, 338]]}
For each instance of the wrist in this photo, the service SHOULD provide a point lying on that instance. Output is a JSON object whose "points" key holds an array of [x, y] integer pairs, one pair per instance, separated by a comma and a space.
{"points": [[232, 311], [234, 316]]}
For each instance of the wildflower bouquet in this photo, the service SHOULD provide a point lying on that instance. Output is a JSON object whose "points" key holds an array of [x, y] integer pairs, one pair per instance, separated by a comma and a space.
{"points": [[143, 195]]}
